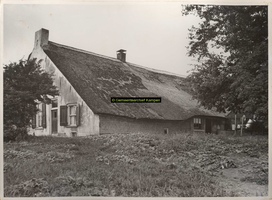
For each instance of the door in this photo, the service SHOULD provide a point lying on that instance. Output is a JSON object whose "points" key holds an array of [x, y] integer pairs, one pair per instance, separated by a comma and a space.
{"points": [[54, 116], [208, 128]]}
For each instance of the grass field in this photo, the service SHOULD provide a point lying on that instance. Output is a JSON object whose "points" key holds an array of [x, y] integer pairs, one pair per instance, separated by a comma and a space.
{"points": [[184, 165]]}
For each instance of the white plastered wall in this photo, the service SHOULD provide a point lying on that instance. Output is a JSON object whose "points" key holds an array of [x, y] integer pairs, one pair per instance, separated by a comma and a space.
{"points": [[89, 122]]}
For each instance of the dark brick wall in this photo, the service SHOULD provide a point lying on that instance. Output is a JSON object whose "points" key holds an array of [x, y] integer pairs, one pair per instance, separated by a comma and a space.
{"points": [[117, 124]]}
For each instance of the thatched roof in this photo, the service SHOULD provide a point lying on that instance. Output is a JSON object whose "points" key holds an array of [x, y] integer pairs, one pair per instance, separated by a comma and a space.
{"points": [[97, 78]]}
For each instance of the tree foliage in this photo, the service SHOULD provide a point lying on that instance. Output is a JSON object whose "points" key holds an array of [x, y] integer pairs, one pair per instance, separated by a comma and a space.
{"points": [[25, 83], [231, 47]]}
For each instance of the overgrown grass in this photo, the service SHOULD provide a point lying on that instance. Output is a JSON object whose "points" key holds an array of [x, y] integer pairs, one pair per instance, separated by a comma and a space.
{"points": [[119, 165]]}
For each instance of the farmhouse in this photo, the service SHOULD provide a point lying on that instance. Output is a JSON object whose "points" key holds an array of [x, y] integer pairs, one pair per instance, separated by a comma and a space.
{"points": [[86, 83]]}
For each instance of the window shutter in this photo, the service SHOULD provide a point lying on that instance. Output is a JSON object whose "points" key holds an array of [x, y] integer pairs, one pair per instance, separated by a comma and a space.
{"points": [[63, 115], [34, 121], [44, 115], [78, 115]]}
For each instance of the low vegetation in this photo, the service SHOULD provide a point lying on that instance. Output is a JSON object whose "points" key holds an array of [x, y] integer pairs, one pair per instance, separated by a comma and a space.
{"points": [[184, 165]]}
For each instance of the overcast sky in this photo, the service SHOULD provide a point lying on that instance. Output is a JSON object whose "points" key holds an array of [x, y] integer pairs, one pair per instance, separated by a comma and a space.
{"points": [[154, 34]]}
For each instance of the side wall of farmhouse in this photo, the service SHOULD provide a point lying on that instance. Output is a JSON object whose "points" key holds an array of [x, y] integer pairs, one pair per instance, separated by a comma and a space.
{"points": [[118, 124], [89, 122]]}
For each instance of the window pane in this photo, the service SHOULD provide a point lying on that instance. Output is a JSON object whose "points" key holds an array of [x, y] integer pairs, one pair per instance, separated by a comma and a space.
{"points": [[197, 123], [73, 120], [54, 103], [72, 115], [39, 121], [72, 110], [70, 120]]}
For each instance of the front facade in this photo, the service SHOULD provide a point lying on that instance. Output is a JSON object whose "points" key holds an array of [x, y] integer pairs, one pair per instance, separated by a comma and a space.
{"points": [[86, 81], [67, 115]]}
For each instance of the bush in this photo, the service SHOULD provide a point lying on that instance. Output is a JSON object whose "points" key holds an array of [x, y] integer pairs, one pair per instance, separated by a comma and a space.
{"points": [[25, 83], [258, 128], [12, 133]]}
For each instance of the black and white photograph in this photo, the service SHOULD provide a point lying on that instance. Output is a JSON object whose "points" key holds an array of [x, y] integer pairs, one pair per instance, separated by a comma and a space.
{"points": [[135, 99]]}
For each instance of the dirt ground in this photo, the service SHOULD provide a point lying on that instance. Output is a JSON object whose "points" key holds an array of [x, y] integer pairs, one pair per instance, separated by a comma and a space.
{"points": [[243, 170], [244, 180]]}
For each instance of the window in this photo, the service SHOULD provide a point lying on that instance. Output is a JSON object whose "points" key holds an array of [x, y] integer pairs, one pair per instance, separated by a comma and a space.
{"points": [[197, 123], [54, 103], [39, 120], [72, 115], [69, 115], [39, 116]]}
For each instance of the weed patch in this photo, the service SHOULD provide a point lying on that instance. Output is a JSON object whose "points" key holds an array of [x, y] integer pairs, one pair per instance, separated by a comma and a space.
{"points": [[32, 188], [133, 165]]}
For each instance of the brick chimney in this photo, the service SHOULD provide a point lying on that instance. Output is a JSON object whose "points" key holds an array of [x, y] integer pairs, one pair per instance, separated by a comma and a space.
{"points": [[41, 38], [121, 55]]}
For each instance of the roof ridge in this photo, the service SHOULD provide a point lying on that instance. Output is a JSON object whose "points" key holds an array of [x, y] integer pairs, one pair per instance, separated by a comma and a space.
{"points": [[158, 70], [84, 51]]}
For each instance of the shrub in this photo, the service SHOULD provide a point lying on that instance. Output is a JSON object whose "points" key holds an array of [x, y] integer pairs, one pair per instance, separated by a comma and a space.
{"points": [[12, 133], [24, 82]]}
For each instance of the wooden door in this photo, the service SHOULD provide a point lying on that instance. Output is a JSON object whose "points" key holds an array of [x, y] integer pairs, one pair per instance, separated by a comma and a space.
{"points": [[208, 128], [54, 116]]}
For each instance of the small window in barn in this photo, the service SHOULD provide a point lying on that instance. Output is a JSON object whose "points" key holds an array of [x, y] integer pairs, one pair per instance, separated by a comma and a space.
{"points": [[197, 123]]}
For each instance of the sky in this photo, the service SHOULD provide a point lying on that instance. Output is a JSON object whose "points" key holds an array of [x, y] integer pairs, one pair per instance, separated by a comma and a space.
{"points": [[155, 34]]}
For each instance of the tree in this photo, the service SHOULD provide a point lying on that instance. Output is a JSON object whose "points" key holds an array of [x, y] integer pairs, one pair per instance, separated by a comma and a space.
{"points": [[231, 47], [25, 83]]}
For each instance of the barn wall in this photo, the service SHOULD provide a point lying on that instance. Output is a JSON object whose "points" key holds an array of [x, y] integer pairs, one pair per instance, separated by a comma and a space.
{"points": [[189, 125], [218, 125], [118, 124], [88, 120]]}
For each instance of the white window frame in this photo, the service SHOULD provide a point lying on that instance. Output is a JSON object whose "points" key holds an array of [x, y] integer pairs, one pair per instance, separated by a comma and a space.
{"points": [[39, 116], [70, 115], [197, 123]]}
